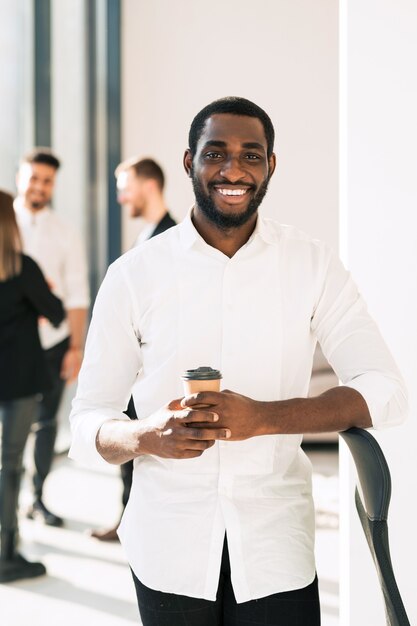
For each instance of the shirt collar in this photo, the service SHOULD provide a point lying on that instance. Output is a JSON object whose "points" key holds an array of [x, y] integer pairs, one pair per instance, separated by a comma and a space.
{"points": [[263, 230], [188, 233]]}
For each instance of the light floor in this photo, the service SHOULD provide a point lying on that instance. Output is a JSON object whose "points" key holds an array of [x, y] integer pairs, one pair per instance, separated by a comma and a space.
{"points": [[89, 583]]}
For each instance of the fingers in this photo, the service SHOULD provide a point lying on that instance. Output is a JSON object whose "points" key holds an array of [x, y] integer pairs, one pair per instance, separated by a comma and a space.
{"points": [[199, 445], [191, 454], [200, 434], [208, 398], [175, 405], [207, 434], [187, 433], [196, 416], [180, 445]]}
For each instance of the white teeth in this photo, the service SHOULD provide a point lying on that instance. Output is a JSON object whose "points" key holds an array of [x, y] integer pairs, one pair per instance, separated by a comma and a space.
{"points": [[232, 192]]}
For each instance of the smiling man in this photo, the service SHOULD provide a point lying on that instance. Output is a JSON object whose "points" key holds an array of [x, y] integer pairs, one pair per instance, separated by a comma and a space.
{"points": [[140, 187], [58, 250], [216, 194], [219, 528]]}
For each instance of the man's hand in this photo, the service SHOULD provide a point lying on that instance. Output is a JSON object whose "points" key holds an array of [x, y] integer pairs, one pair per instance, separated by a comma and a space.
{"points": [[175, 433], [334, 410], [188, 426], [240, 414], [71, 364], [171, 433]]}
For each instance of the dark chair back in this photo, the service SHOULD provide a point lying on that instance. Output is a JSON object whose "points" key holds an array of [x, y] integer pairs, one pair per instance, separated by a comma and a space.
{"points": [[372, 503]]}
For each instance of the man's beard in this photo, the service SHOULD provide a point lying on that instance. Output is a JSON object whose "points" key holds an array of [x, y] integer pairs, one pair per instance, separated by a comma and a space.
{"points": [[225, 221], [37, 205], [135, 211]]}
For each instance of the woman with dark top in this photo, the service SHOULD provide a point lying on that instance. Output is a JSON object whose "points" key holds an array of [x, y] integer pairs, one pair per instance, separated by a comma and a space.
{"points": [[24, 297]]}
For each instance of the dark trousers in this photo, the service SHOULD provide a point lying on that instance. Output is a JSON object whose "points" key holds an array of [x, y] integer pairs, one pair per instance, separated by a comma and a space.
{"points": [[126, 469], [290, 608], [45, 427], [16, 418]]}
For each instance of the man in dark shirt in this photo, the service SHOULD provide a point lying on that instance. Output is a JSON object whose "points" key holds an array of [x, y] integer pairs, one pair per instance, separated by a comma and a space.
{"points": [[140, 184]]}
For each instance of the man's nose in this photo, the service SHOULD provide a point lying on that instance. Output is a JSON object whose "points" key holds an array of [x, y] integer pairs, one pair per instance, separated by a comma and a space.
{"points": [[39, 185], [232, 170]]}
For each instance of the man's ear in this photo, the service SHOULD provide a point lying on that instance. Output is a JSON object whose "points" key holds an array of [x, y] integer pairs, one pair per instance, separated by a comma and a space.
{"points": [[188, 162], [150, 185], [272, 162]]}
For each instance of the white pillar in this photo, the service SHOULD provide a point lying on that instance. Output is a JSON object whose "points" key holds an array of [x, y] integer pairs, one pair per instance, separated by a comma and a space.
{"points": [[379, 198], [16, 87], [69, 109]]}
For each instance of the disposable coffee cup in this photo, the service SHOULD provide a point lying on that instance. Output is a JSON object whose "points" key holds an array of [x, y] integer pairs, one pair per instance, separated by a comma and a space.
{"points": [[201, 379]]}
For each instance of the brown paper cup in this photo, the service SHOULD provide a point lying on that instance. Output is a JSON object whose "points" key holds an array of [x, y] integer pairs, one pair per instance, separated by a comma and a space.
{"points": [[193, 386], [201, 379]]}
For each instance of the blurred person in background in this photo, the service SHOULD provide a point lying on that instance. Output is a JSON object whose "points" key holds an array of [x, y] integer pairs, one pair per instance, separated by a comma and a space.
{"points": [[140, 185], [24, 296], [57, 248]]}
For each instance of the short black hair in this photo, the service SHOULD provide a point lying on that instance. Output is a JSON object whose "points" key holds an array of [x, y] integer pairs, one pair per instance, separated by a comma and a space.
{"points": [[235, 106], [42, 155], [147, 168]]}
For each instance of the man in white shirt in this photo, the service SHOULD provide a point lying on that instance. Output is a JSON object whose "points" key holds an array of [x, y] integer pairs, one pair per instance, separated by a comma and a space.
{"points": [[57, 249], [219, 527], [140, 186]]}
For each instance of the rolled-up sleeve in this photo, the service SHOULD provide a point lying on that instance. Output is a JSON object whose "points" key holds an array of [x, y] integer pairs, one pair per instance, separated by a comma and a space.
{"points": [[354, 347], [111, 364]]}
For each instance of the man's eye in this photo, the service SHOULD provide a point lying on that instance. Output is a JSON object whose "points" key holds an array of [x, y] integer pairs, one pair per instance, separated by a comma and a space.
{"points": [[213, 155], [253, 157]]}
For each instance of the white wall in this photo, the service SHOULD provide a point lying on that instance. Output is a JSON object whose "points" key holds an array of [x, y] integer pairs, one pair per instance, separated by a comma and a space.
{"points": [[380, 181], [283, 54]]}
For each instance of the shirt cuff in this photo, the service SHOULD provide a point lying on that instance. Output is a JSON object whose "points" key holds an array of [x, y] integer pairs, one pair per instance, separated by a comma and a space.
{"points": [[386, 401], [84, 427]]}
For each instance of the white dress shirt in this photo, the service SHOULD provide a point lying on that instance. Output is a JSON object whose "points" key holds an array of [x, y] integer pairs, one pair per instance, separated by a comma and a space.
{"points": [[145, 233], [176, 303], [57, 249]]}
